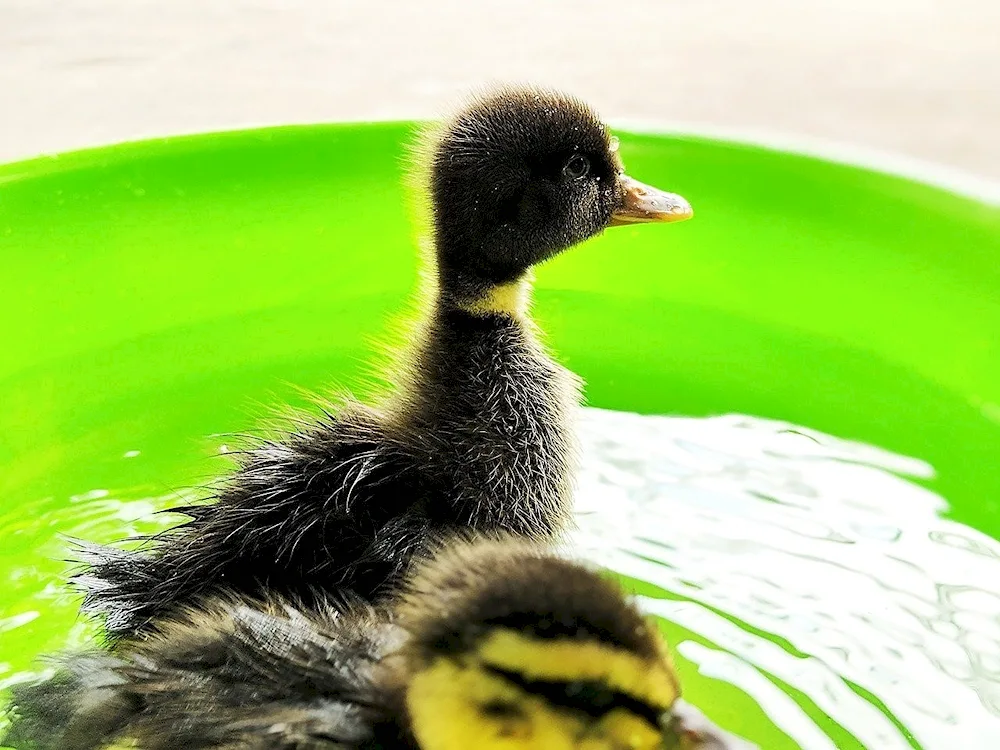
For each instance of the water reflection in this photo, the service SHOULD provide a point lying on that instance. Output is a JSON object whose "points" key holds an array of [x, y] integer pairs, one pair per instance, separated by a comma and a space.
{"points": [[867, 595]]}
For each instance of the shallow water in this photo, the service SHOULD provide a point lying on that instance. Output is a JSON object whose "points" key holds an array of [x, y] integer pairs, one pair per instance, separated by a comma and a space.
{"points": [[813, 592], [814, 574]]}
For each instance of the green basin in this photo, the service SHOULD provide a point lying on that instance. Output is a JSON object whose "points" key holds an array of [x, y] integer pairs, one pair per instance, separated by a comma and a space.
{"points": [[155, 294]]}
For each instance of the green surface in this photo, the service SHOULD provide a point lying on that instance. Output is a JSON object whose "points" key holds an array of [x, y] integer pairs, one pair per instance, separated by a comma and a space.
{"points": [[156, 295]]}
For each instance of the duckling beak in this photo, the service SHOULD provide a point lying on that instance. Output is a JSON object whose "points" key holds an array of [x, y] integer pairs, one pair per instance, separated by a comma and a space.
{"points": [[696, 732], [643, 203]]}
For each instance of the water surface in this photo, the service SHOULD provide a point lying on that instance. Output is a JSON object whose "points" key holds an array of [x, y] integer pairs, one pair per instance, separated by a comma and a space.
{"points": [[813, 592], [814, 574]]}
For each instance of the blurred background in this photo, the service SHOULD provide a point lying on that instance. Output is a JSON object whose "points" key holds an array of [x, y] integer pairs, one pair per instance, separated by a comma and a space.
{"points": [[917, 77]]}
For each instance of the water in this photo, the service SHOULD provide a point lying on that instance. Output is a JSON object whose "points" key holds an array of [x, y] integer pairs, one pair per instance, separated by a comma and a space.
{"points": [[813, 593], [804, 562]]}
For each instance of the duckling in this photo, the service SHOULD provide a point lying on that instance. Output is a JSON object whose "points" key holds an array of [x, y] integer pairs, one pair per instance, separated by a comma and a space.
{"points": [[476, 433], [493, 645]]}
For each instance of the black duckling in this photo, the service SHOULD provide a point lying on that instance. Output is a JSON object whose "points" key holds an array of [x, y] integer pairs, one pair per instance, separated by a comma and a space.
{"points": [[492, 646], [476, 434]]}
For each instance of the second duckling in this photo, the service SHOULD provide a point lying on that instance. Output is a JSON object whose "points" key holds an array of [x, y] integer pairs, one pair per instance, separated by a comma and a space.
{"points": [[493, 646], [477, 433]]}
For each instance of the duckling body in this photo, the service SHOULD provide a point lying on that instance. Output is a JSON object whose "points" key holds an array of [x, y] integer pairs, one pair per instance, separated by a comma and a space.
{"points": [[477, 433], [481, 441], [492, 646]]}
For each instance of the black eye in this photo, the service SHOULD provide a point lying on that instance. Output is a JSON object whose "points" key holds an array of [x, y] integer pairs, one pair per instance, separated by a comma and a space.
{"points": [[576, 166]]}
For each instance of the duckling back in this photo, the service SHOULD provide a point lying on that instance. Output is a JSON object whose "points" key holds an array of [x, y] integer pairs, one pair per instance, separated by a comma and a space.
{"points": [[228, 674], [480, 438]]}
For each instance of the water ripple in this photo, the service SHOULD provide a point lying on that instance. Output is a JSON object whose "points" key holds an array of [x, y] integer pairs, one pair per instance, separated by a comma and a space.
{"points": [[808, 559]]}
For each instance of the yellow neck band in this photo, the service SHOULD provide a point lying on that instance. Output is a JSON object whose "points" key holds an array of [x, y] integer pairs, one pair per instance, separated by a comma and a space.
{"points": [[509, 299]]}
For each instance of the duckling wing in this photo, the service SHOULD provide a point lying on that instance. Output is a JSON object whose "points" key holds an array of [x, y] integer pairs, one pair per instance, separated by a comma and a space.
{"points": [[226, 675], [337, 508], [250, 678]]}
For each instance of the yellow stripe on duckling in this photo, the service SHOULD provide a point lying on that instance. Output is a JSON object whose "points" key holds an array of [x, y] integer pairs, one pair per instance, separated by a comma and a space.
{"points": [[567, 659], [503, 299], [454, 704]]}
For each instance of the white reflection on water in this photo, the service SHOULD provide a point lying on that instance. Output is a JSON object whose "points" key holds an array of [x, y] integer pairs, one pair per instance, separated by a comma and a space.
{"points": [[819, 541]]}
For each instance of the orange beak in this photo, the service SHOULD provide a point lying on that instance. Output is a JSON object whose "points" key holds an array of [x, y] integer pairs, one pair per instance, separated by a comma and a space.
{"points": [[642, 203]]}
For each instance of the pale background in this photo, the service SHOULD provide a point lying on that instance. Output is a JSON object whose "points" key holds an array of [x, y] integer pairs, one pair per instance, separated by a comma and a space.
{"points": [[917, 77]]}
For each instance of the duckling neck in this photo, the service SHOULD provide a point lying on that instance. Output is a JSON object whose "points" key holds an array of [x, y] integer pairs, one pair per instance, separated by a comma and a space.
{"points": [[491, 409], [509, 299]]}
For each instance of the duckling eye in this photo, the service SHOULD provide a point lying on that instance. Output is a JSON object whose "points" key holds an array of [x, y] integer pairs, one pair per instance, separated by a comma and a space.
{"points": [[576, 167]]}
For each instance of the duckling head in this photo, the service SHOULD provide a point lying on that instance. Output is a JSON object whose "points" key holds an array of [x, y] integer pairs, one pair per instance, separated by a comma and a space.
{"points": [[513, 649], [522, 174]]}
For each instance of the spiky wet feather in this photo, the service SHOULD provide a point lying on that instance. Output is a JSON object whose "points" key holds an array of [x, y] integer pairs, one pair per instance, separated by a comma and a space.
{"points": [[347, 504]]}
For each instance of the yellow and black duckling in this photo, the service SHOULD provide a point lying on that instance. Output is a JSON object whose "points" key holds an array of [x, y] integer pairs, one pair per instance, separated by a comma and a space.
{"points": [[476, 434], [491, 646]]}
